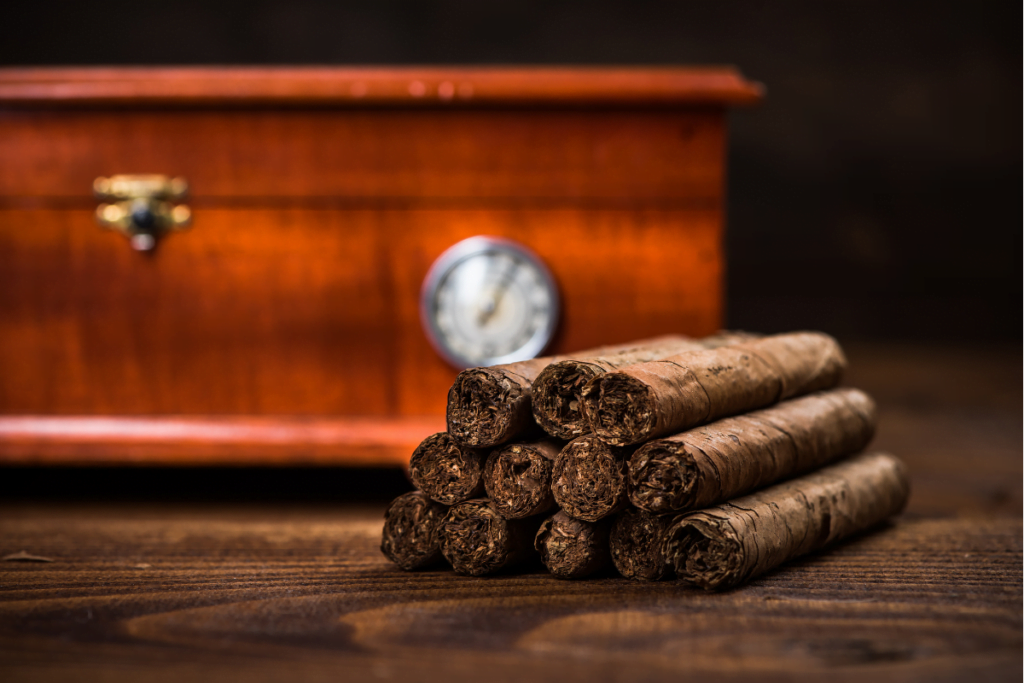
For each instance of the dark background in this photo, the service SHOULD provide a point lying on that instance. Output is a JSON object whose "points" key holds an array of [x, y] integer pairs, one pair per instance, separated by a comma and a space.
{"points": [[873, 195]]}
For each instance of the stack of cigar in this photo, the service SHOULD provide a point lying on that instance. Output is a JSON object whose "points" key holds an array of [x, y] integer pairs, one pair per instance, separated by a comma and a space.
{"points": [[713, 460]]}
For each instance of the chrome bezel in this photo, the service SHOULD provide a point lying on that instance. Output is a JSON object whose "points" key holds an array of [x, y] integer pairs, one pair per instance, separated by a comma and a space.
{"points": [[446, 262]]}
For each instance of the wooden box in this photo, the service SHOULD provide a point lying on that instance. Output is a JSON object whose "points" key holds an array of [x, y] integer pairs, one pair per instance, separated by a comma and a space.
{"points": [[283, 326]]}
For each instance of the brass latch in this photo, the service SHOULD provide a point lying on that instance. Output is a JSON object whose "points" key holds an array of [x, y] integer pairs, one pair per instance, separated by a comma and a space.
{"points": [[142, 207]]}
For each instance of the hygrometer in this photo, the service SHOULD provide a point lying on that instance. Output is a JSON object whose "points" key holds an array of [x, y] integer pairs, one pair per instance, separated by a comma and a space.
{"points": [[487, 301]]}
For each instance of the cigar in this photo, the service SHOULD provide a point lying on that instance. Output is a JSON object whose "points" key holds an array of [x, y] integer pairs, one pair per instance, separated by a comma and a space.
{"points": [[556, 391], [518, 478], [571, 548], [589, 478], [445, 471], [476, 540], [490, 406], [410, 537], [736, 455], [727, 545], [647, 400], [637, 545]]}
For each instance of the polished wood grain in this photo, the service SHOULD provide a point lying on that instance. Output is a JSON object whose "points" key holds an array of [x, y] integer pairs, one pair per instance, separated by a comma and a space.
{"points": [[263, 157], [212, 441], [397, 86], [320, 197], [300, 311]]}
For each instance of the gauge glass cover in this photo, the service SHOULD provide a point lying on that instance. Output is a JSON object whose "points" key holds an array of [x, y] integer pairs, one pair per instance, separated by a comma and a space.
{"points": [[487, 301]]}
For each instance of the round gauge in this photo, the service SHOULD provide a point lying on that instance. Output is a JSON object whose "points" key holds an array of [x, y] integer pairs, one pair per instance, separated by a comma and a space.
{"points": [[488, 301]]}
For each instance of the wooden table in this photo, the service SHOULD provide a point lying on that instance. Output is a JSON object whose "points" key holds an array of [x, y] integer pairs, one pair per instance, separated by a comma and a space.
{"points": [[164, 592]]}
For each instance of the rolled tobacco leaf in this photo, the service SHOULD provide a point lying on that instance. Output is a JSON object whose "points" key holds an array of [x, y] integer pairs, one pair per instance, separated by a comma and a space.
{"points": [[492, 405], [736, 455], [476, 540], [727, 545], [637, 545], [589, 478], [445, 471], [647, 400], [571, 548], [556, 391], [411, 525], [518, 478]]}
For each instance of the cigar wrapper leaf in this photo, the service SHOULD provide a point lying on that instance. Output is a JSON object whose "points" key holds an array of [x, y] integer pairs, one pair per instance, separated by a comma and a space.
{"points": [[735, 455], [727, 545], [492, 405], [557, 389], [647, 400]]}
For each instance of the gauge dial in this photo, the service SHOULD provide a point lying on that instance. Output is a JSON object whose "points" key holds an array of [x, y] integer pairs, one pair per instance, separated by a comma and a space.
{"points": [[488, 301]]}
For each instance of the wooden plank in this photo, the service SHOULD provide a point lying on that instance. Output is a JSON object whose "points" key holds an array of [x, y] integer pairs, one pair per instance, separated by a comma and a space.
{"points": [[163, 593], [269, 592], [265, 156], [362, 86]]}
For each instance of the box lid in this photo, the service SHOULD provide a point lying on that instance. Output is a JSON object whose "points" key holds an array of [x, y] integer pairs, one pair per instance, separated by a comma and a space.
{"points": [[377, 86]]}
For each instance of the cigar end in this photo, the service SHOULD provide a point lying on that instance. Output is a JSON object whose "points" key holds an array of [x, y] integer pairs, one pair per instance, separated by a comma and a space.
{"points": [[557, 404], [619, 408], [638, 545], [863, 405], [570, 548], [410, 537], [518, 481], [445, 471], [704, 556], [475, 539], [663, 477], [589, 479], [482, 405]]}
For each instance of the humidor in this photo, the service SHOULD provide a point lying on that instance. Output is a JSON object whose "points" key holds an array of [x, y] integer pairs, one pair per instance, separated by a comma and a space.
{"points": [[284, 325]]}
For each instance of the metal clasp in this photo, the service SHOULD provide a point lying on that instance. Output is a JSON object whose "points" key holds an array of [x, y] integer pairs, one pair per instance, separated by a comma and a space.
{"points": [[142, 207]]}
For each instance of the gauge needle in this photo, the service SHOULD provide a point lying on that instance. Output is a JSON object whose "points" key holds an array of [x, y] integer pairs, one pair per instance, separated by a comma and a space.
{"points": [[491, 305]]}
